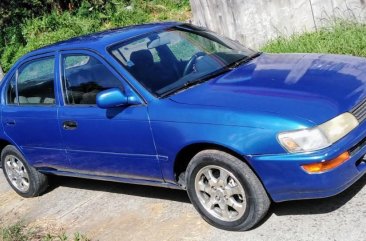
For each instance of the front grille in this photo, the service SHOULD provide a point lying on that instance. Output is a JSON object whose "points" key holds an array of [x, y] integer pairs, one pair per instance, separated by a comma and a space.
{"points": [[359, 111], [357, 147]]}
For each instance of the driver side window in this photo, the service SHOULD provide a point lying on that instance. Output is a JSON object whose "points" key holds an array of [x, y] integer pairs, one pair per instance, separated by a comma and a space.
{"points": [[83, 77]]}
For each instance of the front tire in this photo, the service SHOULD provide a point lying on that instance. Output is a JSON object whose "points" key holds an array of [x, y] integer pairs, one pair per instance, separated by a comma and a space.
{"points": [[22, 177], [225, 191]]}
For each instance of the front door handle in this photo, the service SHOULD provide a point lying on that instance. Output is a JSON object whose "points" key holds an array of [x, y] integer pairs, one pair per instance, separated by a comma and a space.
{"points": [[70, 125]]}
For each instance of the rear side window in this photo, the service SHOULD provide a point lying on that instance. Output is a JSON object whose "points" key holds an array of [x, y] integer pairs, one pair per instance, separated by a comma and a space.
{"points": [[84, 77], [35, 82]]}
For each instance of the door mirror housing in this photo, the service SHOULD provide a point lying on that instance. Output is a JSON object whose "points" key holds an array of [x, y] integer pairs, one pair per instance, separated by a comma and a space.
{"points": [[115, 98]]}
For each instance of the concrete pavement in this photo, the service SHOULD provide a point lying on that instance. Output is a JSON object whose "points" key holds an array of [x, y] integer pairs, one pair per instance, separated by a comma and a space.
{"points": [[113, 211]]}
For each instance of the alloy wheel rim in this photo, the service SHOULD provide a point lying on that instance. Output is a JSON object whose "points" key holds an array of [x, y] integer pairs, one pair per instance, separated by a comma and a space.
{"points": [[17, 173], [220, 193]]}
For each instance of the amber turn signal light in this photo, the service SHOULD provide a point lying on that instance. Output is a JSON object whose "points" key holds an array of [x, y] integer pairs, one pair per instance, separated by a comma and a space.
{"points": [[326, 165]]}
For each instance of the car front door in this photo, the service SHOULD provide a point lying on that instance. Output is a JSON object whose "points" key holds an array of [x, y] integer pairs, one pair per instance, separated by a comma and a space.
{"points": [[107, 142], [29, 114]]}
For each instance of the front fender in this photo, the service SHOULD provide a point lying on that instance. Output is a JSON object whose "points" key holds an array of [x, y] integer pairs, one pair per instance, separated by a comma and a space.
{"points": [[172, 137], [176, 126]]}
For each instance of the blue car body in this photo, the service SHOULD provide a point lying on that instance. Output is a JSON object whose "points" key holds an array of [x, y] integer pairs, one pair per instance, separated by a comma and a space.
{"points": [[241, 112]]}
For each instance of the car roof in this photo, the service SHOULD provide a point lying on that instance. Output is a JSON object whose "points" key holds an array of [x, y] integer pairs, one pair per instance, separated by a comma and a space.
{"points": [[102, 39]]}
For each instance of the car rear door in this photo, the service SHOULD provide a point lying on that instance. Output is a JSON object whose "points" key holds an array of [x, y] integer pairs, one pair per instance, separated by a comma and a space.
{"points": [[107, 142], [29, 114]]}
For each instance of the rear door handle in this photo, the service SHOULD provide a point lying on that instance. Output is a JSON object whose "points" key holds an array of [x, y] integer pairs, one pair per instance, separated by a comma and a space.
{"points": [[70, 125], [10, 122]]}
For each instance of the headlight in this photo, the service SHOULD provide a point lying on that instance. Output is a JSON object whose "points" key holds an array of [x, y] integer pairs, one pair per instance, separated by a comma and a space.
{"points": [[318, 137]]}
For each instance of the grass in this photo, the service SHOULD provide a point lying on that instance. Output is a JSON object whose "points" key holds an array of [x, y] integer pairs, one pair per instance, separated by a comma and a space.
{"points": [[20, 232], [342, 37], [15, 232]]}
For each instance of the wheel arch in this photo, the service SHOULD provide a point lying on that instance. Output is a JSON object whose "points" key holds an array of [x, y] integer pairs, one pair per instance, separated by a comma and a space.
{"points": [[186, 154], [3, 144]]}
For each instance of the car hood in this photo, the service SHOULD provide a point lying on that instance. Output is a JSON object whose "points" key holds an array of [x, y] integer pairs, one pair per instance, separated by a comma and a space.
{"points": [[310, 86]]}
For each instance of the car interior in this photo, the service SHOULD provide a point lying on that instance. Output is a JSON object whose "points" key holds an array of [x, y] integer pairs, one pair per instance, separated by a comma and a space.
{"points": [[37, 91], [155, 75]]}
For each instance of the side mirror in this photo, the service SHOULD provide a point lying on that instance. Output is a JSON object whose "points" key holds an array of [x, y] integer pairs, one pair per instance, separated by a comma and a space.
{"points": [[114, 98]]}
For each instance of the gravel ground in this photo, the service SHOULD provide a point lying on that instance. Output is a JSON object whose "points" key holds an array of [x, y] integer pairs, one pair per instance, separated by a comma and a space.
{"points": [[113, 211]]}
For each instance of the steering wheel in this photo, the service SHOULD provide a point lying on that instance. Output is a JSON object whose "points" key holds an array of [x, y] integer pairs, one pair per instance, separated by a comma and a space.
{"points": [[192, 61]]}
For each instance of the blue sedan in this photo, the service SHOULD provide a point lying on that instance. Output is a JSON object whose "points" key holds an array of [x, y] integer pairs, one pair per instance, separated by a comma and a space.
{"points": [[178, 106]]}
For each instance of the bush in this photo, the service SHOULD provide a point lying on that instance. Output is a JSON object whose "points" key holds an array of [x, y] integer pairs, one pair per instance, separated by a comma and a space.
{"points": [[87, 17]]}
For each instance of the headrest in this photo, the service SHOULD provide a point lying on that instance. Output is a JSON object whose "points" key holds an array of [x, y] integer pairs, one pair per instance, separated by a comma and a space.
{"points": [[142, 57]]}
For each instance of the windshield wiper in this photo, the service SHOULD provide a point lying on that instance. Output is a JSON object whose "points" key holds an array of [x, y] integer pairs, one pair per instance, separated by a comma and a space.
{"points": [[191, 83], [227, 68], [243, 60]]}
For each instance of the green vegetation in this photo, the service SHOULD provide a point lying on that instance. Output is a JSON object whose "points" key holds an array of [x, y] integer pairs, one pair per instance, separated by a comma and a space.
{"points": [[20, 232], [14, 232], [30, 24], [342, 37]]}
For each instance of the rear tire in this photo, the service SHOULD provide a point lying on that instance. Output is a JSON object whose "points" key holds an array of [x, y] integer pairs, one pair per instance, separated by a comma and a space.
{"points": [[22, 177], [225, 191]]}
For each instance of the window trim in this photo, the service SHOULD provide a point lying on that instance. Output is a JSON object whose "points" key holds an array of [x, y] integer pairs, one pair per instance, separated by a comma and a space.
{"points": [[6, 89]]}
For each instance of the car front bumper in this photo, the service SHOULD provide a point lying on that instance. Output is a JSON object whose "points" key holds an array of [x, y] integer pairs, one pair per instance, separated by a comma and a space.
{"points": [[284, 178]]}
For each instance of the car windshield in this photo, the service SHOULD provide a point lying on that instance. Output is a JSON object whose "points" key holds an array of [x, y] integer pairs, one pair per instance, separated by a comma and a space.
{"points": [[174, 59]]}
